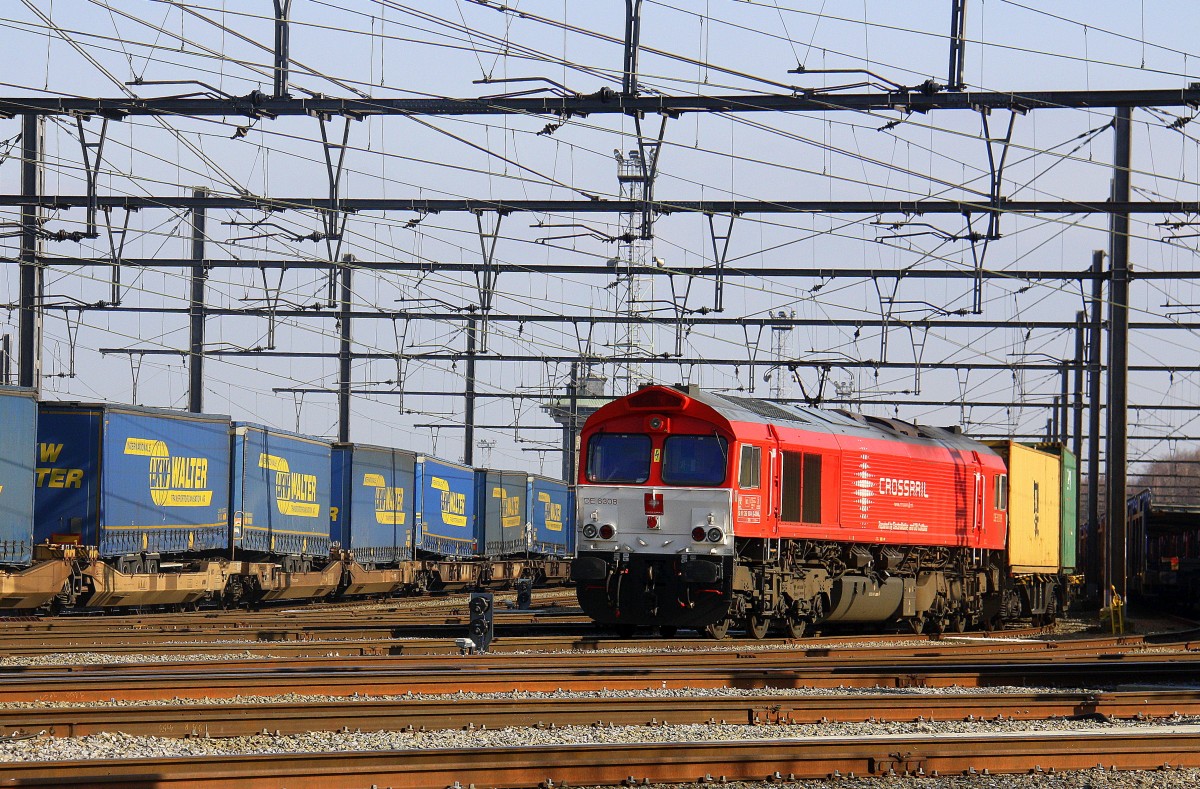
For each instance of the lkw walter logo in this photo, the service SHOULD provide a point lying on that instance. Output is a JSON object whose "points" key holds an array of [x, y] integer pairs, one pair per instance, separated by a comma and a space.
{"points": [[174, 481], [295, 493]]}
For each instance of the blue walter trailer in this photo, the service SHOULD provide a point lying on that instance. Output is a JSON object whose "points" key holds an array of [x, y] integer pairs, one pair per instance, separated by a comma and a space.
{"points": [[551, 508], [136, 484], [18, 415], [372, 517], [550, 517], [30, 577], [501, 525], [501, 513], [445, 524], [445, 517], [373, 502], [281, 494]]}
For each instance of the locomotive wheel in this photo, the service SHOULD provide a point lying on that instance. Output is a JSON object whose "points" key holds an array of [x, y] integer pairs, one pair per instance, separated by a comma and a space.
{"points": [[719, 630], [794, 627], [626, 631], [668, 631], [758, 625]]}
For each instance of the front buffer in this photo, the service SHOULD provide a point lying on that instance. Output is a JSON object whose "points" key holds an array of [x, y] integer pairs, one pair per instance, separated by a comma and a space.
{"points": [[654, 556], [657, 591]]}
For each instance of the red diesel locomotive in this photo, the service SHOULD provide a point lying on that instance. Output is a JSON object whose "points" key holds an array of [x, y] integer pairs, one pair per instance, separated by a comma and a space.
{"points": [[709, 511]]}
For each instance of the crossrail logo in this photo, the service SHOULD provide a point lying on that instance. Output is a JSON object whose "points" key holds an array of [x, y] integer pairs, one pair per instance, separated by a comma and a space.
{"points": [[389, 501], [175, 481], [864, 486], [553, 512], [510, 508], [295, 493], [454, 505]]}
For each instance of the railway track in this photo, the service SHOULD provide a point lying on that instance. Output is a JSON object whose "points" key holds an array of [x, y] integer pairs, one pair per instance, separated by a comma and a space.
{"points": [[630, 765], [297, 717], [380, 678], [287, 643]]}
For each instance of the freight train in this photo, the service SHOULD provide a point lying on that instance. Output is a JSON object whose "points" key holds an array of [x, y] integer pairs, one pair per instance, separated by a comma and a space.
{"points": [[1164, 551], [105, 505], [714, 512]]}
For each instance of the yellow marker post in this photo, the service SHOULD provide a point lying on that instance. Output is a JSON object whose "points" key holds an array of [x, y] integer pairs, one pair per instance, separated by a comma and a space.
{"points": [[1116, 613]]}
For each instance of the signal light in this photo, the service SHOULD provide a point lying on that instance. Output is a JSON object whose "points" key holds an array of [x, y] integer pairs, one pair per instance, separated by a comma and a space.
{"points": [[651, 521], [698, 534], [607, 531], [482, 627], [715, 535]]}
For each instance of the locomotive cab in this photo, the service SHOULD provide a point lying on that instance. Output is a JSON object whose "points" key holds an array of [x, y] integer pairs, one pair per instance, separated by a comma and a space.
{"points": [[655, 542]]}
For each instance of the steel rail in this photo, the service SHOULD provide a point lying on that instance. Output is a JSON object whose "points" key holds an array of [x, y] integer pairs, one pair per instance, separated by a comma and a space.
{"points": [[1146, 748], [154, 683], [564, 649], [298, 717], [391, 638]]}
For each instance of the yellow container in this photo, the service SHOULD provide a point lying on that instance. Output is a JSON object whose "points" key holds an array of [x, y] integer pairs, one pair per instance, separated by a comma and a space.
{"points": [[1034, 507]]}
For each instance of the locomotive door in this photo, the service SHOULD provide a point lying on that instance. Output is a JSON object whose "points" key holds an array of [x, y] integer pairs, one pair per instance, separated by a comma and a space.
{"points": [[977, 497]]}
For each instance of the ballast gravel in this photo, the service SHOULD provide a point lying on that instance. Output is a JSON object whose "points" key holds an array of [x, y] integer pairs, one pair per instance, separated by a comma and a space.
{"points": [[119, 746], [566, 695]]}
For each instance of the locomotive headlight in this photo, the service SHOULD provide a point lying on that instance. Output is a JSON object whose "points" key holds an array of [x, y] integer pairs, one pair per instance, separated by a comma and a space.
{"points": [[589, 531], [698, 534], [656, 423], [607, 531], [715, 534]]}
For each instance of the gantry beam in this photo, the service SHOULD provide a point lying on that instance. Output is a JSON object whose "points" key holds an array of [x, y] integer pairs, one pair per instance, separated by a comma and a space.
{"points": [[604, 101], [453, 356], [464, 316], [601, 206], [780, 272]]}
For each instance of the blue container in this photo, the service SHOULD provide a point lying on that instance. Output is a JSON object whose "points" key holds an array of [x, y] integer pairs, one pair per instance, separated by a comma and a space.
{"points": [[281, 492], [550, 516], [126, 479], [373, 502], [500, 511], [445, 517], [18, 460]]}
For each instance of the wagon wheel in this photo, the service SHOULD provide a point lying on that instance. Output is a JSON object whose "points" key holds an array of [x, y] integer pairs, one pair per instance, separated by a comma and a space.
{"points": [[794, 626], [958, 623], [1051, 615], [917, 623], [668, 631], [719, 629], [757, 626]]}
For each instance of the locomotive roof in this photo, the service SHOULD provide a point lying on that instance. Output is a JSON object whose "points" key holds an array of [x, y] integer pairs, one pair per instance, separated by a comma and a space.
{"points": [[748, 409]]}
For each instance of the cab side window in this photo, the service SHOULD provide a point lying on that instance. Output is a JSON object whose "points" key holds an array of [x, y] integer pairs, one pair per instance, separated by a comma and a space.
{"points": [[1001, 492], [751, 468]]}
